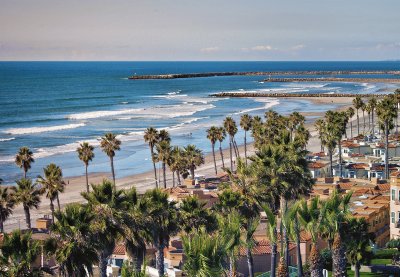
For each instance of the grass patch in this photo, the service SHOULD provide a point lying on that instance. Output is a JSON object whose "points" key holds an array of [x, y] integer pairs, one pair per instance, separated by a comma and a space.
{"points": [[381, 261], [350, 273]]}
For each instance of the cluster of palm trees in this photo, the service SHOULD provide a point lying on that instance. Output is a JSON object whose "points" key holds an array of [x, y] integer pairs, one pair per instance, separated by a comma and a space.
{"points": [[181, 161]]}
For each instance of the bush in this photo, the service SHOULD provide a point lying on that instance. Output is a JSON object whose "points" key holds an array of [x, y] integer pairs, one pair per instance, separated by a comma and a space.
{"points": [[385, 253]]}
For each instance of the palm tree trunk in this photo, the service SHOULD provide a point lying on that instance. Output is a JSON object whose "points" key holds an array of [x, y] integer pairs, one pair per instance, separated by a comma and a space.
{"points": [[52, 210], [231, 266], [315, 263], [164, 175], [273, 259], [250, 262], [154, 165], [340, 160], [27, 217], [222, 155], [160, 259], [351, 129], [179, 178], [386, 150], [230, 153], [369, 121], [25, 171], [358, 124], [112, 169], [338, 257], [1, 226], [215, 163], [373, 124], [364, 122], [192, 173], [103, 260], [330, 164], [237, 148], [234, 147], [139, 259], [298, 250], [173, 179], [58, 203], [357, 269], [87, 178], [245, 146]]}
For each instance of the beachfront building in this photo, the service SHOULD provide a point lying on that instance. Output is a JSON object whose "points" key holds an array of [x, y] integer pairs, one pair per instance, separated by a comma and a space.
{"points": [[395, 205]]}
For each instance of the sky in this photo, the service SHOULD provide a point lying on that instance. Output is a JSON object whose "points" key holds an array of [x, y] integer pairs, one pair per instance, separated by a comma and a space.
{"points": [[199, 30]]}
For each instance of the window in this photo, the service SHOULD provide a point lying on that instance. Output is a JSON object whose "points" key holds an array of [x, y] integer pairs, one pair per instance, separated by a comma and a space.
{"points": [[399, 216], [392, 217], [393, 194]]}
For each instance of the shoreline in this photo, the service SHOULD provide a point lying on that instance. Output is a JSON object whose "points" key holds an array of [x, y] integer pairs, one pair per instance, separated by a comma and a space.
{"points": [[144, 181]]}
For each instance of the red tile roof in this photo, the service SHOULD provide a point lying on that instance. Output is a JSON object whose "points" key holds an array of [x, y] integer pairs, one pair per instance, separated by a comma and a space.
{"points": [[119, 249], [357, 166], [316, 165]]}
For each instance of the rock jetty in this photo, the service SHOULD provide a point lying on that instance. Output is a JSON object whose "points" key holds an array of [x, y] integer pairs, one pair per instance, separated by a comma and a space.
{"points": [[332, 79], [291, 95], [259, 73]]}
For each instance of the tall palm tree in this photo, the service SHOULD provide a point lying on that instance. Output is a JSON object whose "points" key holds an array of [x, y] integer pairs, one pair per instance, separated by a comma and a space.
{"points": [[350, 114], [245, 123], [358, 103], [27, 194], [295, 228], [336, 213], [178, 164], [372, 103], [110, 205], [164, 136], [363, 109], [7, 204], [24, 159], [221, 134], [320, 126], [310, 216], [86, 154], [18, 252], [194, 158], [212, 136], [72, 240], [109, 144], [231, 129], [386, 112], [272, 236], [205, 254], [52, 184], [151, 137], [164, 222], [195, 216], [163, 153], [368, 109], [295, 119]]}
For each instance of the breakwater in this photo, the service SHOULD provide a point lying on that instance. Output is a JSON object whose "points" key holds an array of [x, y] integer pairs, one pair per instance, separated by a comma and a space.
{"points": [[292, 95], [333, 79], [258, 73]]}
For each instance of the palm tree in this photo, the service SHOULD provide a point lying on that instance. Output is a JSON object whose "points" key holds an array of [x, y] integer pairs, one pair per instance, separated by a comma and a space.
{"points": [[151, 137], [295, 228], [110, 206], [164, 222], [245, 123], [212, 136], [368, 109], [164, 136], [310, 216], [230, 232], [205, 254], [18, 252], [72, 240], [220, 135], [336, 213], [320, 126], [358, 103], [163, 153], [86, 154], [177, 164], [231, 130], [194, 158], [7, 204], [24, 159], [295, 119], [28, 194], [372, 103], [272, 236], [52, 184], [357, 242], [386, 112], [195, 216], [363, 109], [109, 144], [350, 114]]}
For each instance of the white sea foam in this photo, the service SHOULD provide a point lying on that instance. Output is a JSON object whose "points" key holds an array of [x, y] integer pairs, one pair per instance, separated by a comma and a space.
{"points": [[34, 130], [98, 114], [269, 103], [124, 102], [6, 139]]}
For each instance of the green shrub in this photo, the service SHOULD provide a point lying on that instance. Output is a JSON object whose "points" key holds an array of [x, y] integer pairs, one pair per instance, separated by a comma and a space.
{"points": [[385, 253], [326, 259]]}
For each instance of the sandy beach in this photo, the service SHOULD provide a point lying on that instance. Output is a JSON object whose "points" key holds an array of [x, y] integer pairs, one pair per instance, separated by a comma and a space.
{"points": [[145, 181]]}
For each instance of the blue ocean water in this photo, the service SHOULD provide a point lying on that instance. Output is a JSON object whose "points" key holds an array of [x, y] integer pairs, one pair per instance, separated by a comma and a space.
{"points": [[52, 106]]}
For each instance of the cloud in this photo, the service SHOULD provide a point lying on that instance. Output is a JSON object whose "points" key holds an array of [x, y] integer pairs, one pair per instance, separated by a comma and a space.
{"points": [[262, 48], [297, 47], [209, 49], [383, 46]]}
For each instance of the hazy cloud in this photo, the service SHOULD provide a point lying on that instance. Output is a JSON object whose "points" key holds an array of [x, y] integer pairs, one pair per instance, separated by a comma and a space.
{"points": [[209, 49]]}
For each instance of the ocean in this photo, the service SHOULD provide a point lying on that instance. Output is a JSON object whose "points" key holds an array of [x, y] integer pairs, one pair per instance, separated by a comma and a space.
{"points": [[53, 106]]}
